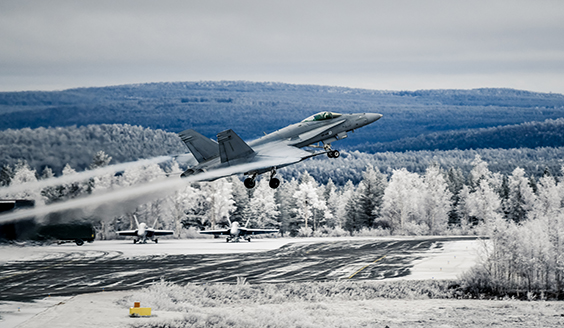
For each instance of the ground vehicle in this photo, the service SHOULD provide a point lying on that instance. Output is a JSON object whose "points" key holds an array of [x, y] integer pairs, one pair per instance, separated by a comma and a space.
{"points": [[78, 232]]}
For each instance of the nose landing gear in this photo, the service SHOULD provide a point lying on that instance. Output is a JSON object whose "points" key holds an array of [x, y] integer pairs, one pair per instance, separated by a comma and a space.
{"points": [[333, 154]]}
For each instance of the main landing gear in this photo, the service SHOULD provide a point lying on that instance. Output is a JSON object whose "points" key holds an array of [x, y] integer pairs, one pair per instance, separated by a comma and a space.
{"points": [[274, 183], [249, 183]]}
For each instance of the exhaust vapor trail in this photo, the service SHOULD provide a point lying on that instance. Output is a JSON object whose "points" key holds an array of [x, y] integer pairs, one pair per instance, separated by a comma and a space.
{"points": [[81, 176], [155, 189]]}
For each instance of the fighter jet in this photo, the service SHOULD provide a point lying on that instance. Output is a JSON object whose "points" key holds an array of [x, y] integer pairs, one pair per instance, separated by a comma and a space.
{"points": [[142, 232], [231, 155], [235, 231]]}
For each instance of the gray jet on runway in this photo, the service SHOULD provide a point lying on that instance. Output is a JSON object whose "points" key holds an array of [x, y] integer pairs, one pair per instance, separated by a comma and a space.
{"points": [[235, 231], [231, 155], [143, 232]]}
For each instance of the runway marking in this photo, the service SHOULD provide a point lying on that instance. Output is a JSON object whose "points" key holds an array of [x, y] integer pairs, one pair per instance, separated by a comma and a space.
{"points": [[364, 267]]}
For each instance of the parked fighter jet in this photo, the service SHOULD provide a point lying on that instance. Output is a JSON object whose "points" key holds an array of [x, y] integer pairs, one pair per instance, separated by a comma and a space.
{"points": [[235, 231], [231, 155], [142, 232]]}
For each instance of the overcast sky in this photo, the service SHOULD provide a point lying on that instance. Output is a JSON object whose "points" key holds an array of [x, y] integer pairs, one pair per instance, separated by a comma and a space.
{"points": [[384, 45]]}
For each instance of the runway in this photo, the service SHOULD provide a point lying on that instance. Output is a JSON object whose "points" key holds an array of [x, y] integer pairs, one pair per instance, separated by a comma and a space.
{"points": [[119, 265]]}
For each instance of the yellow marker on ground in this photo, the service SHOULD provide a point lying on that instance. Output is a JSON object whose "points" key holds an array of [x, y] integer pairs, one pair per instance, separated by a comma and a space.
{"points": [[138, 311]]}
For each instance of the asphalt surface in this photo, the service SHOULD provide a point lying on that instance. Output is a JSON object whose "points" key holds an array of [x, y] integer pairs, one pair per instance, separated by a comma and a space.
{"points": [[74, 274]]}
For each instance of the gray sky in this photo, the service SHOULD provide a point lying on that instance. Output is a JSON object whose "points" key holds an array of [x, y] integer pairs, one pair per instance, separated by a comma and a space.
{"points": [[384, 45]]}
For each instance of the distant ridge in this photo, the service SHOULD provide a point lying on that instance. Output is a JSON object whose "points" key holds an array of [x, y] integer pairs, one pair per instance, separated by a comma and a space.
{"points": [[251, 108], [549, 133]]}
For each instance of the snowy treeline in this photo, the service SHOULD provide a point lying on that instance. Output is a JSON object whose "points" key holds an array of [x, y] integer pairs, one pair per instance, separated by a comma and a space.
{"points": [[436, 202], [526, 249]]}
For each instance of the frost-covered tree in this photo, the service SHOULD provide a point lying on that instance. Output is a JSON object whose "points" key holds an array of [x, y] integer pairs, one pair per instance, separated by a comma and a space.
{"points": [[402, 202], [23, 174], [435, 201], [338, 204], [220, 198], [104, 181], [308, 200], [197, 213], [484, 204]]}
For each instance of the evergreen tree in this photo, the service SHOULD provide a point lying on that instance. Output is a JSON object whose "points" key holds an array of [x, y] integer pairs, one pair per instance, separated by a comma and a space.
{"points": [[287, 203], [6, 175], [520, 197], [101, 159], [455, 181]]}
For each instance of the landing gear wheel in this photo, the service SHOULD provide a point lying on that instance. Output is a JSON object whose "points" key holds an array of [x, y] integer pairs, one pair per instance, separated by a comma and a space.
{"points": [[330, 154], [249, 239], [135, 241], [336, 154], [249, 183], [227, 239], [274, 183], [156, 241]]}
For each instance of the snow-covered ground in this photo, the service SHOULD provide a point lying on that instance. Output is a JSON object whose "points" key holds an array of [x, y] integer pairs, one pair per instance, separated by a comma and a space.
{"points": [[440, 263]]}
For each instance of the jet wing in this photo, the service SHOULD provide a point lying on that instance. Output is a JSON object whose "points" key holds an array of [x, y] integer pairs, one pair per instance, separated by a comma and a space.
{"points": [[152, 232], [246, 231], [269, 156], [216, 232], [127, 233]]}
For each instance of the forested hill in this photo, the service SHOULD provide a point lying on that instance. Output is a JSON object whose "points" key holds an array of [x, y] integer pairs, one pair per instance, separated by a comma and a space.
{"points": [[251, 108], [76, 146], [526, 135]]}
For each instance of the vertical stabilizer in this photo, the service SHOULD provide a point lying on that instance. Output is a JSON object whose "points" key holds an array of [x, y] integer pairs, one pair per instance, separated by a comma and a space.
{"points": [[201, 147], [231, 146]]}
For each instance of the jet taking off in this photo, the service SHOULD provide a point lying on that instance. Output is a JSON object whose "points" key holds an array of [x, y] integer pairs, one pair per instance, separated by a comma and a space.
{"points": [[142, 232], [231, 155], [235, 231]]}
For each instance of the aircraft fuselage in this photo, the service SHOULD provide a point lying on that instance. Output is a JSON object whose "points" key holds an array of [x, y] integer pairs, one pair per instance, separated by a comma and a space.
{"points": [[299, 135]]}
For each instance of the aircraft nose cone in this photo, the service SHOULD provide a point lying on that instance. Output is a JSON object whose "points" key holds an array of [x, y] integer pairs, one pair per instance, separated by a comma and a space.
{"points": [[373, 117]]}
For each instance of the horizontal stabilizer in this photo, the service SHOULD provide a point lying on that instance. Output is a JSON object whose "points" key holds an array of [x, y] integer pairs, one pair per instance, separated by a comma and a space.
{"points": [[231, 146], [201, 147]]}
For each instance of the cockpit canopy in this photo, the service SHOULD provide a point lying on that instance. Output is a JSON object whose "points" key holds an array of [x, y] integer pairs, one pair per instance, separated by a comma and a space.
{"points": [[322, 116]]}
